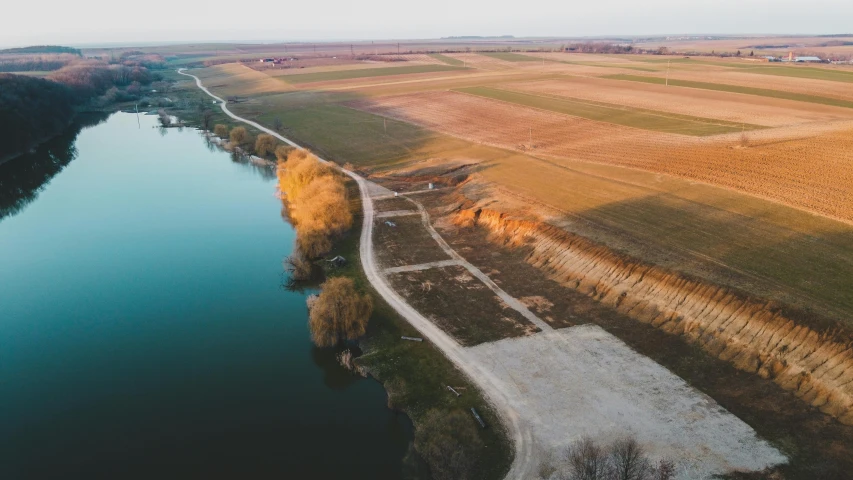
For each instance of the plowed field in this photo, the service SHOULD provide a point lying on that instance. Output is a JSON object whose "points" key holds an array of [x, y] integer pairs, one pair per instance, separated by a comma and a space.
{"points": [[806, 167], [702, 103]]}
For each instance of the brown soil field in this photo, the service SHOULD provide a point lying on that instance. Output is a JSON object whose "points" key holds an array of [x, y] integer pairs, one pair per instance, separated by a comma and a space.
{"points": [[822, 88], [406, 243], [378, 81], [778, 164], [234, 79], [701, 103], [438, 81], [461, 305], [335, 65], [483, 62]]}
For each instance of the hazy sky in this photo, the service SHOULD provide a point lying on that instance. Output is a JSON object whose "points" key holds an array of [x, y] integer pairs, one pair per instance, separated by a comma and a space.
{"points": [[99, 21]]}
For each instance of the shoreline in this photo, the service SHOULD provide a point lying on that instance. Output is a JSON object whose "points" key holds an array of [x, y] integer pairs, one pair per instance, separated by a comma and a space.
{"points": [[523, 459]]}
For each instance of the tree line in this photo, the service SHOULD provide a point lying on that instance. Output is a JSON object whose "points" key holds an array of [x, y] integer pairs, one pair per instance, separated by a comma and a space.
{"points": [[34, 109], [31, 110]]}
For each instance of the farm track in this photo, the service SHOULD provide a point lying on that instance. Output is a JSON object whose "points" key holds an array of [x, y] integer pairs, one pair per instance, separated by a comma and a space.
{"points": [[524, 461]]}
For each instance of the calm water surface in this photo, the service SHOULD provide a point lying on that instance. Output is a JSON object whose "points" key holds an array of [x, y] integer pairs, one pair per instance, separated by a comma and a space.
{"points": [[144, 332]]}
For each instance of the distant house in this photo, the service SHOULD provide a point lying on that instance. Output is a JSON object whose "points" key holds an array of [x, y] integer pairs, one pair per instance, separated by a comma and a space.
{"points": [[807, 59], [267, 60]]}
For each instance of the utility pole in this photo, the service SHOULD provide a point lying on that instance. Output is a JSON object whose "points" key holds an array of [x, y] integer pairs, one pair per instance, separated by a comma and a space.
{"points": [[531, 137], [351, 50], [667, 72], [385, 125], [137, 117], [398, 48]]}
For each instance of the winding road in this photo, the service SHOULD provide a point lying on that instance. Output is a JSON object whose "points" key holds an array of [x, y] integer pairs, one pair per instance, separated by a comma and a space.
{"points": [[523, 465]]}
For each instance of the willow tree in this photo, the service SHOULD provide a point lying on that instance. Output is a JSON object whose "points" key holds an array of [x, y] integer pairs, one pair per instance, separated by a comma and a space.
{"points": [[265, 145], [339, 313], [239, 136], [220, 130]]}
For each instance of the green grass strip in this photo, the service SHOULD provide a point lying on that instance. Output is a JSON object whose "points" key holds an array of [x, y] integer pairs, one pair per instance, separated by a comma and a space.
{"points": [[611, 65], [805, 72], [617, 114], [510, 57], [721, 87], [448, 60], [365, 73]]}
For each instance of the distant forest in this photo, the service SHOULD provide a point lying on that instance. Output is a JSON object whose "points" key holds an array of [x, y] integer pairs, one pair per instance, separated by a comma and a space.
{"points": [[32, 109], [43, 49]]}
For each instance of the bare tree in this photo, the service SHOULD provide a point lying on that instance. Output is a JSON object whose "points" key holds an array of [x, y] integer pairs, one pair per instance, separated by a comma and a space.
{"points": [[587, 461], [628, 461], [665, 470], [206, 119]]}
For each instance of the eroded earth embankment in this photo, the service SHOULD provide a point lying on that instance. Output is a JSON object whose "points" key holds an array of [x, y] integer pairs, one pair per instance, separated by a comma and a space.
{"points": [[755, 336]]}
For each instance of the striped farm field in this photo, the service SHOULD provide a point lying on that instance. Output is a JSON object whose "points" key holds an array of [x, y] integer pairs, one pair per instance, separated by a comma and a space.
{"points": [[620, 115], [778, 164], [448, 60], [832, 75], [763, 92], [366, 72], [710, 104], [509, 56]]}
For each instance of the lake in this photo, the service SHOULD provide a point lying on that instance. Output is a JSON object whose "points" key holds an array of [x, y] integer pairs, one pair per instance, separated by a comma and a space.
{"points": [[144, 329]]}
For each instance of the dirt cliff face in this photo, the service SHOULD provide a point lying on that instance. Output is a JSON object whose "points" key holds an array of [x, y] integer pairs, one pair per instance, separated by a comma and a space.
{"points": [[754, 336]]}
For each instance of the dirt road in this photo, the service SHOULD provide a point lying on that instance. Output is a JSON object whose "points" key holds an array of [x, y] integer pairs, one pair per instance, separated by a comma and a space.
{"points": [[552, 387], [523, 464]]}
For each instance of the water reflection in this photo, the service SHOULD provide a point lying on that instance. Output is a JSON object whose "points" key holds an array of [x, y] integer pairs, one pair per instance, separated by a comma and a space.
{"points": [[335, 375], [22, 178]]}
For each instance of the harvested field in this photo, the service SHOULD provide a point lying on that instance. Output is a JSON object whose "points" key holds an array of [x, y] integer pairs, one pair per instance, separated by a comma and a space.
{"points": [[483, 62], [405, 243], [343, 65], [710, 104], [612, 113], [447, 60], [509, 56], [749, 80], [235, 79], [461, 305], [830, 74], [583, 381], [778, 164], [365, 73]]}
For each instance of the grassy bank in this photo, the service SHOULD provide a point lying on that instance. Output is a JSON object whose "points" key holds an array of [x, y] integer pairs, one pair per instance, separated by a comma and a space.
{"points": [[416, 374]]}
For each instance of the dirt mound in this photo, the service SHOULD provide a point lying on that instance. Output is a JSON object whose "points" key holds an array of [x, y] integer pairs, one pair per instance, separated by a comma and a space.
{"points": [[754, 336]]}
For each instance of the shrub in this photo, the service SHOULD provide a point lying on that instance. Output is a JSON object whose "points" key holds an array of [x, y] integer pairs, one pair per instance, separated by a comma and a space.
{"points": [[239, 136], [220, 130], [317, 201], [339, 313], [449, 443], [265, 144]]}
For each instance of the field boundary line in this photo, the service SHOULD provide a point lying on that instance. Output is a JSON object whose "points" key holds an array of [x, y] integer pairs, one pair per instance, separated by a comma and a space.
{"points": [[422, 266]]}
